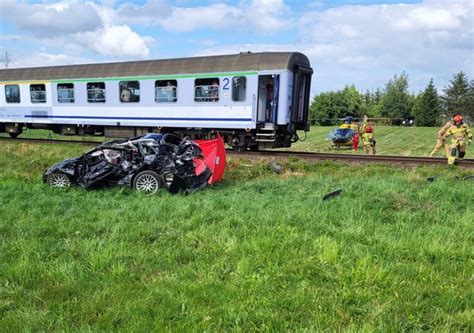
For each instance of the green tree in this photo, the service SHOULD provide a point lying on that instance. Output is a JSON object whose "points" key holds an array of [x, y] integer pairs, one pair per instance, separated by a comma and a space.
{"points": [[351, 102], [456, 96], [377, 96], [470, 110], [321, 109], [396, 102], [427, 106], [366, 107], [328, 106]]}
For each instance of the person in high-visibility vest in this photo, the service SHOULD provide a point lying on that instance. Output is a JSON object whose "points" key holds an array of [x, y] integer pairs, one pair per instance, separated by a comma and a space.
{"points": [[441, 142], [460, 133], [369, 141]]}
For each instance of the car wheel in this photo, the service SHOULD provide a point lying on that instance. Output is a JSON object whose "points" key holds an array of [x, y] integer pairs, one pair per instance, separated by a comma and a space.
{"points": [[58, 179], [147, 182]]}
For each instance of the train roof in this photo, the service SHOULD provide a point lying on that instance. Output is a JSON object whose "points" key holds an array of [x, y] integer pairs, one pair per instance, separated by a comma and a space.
{"points": [[241, 62]]}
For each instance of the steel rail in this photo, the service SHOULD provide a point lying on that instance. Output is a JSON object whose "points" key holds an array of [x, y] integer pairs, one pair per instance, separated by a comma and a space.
{"points": [[50, 141], [351, 158], [311, 156]]}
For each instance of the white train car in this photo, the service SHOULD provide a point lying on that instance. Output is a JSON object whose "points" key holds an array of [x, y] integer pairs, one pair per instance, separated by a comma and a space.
{"points": [[254, 100]]}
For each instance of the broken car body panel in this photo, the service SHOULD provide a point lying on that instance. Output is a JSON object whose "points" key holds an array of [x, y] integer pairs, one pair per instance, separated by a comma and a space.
{"points": [[118, 162]]}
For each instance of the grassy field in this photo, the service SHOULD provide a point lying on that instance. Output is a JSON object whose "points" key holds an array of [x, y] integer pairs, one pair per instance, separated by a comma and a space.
{"points": [[391, 140], [259, 251]]}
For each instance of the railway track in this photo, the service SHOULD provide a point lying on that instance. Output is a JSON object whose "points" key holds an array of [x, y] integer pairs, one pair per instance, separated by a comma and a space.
{"points": [[351, 158], [50, 141], [287, 154]]}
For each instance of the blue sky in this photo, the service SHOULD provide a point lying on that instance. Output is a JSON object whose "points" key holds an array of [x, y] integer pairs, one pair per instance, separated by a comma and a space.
{"points": [[347, 41]]}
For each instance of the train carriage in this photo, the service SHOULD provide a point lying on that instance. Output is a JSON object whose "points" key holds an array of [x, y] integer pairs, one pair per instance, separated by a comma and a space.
{"points": [[255, 100]]}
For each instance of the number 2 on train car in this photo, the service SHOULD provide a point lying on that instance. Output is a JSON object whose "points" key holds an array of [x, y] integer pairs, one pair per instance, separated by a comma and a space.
{"points": [[226, 83]]}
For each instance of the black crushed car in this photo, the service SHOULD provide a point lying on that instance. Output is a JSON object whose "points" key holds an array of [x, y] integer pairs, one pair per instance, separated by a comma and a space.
{"points": [[145, 163]]}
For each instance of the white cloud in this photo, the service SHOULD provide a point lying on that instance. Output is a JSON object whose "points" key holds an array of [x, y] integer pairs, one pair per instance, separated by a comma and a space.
{"points": [[116, 41], [366, 45], [147, 14], [257, 16], [51, 19], [76, 27], [59, 6], [215, 16], [48, 59], [267, 16]]}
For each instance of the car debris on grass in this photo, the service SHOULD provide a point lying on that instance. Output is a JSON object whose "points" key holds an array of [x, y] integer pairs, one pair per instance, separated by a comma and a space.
{"points": [[145, 163]]}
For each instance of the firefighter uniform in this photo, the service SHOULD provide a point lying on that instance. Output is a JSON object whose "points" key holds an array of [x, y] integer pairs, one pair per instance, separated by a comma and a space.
{"points": [[460, 133], [369, 142], [441, 142]]}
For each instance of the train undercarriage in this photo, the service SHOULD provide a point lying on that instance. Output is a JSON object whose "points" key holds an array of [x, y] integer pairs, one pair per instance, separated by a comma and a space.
{"points": [[265, 136]]}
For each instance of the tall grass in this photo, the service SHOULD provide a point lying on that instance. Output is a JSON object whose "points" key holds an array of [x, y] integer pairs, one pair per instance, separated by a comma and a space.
{"points": [[391, 140], [260, 251]]}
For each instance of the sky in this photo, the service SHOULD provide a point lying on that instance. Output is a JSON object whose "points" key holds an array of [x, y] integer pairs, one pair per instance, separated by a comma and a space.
{"points": [[360, 42]]}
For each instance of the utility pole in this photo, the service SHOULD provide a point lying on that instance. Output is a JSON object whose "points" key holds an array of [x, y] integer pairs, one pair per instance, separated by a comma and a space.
{"points": [[6, 59]]}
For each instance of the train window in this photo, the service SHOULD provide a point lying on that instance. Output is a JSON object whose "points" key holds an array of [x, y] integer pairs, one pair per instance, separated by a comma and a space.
{"points": [[38, 93], [65, 92], [165, 91], [129, 91], [206, 90], [12, 93], [238, 88], [96, 92]]}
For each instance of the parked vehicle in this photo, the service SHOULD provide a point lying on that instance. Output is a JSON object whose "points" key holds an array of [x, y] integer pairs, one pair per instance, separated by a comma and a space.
{"points": [[340, 137]]}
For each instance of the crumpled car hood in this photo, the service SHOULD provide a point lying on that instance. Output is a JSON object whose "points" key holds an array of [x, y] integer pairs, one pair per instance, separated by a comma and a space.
{"points": [[67, 166]]}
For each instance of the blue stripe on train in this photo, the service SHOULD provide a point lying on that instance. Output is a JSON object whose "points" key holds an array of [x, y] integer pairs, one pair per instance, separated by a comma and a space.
{"points": [[138, 118]]}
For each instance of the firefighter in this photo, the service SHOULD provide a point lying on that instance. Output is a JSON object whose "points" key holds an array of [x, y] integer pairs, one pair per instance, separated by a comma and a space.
{"points": [[441, 142], [460, 133], [369, 141]]}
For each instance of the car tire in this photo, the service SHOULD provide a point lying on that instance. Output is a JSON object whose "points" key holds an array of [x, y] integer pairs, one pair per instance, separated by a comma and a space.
{"points": [[147, 182], [59, 180]]}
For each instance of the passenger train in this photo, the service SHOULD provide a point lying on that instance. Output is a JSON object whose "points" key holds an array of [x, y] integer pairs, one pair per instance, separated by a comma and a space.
{"points": [[254, 100]]}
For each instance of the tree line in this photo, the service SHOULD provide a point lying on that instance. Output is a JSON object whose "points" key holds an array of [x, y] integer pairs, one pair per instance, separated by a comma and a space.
{"points": [[427, 108]]}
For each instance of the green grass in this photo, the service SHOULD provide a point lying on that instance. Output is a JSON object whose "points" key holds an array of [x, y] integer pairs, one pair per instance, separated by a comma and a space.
{"points": [[259, 251], [47, 134], [391, 140]]}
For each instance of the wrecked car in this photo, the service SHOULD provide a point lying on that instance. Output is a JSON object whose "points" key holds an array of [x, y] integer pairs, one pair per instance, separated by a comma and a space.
{"points": [[145, 163]]}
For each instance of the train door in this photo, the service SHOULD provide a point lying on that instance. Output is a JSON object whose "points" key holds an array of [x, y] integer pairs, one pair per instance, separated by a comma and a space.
{"points": [[268, 91], [301, 94]]}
